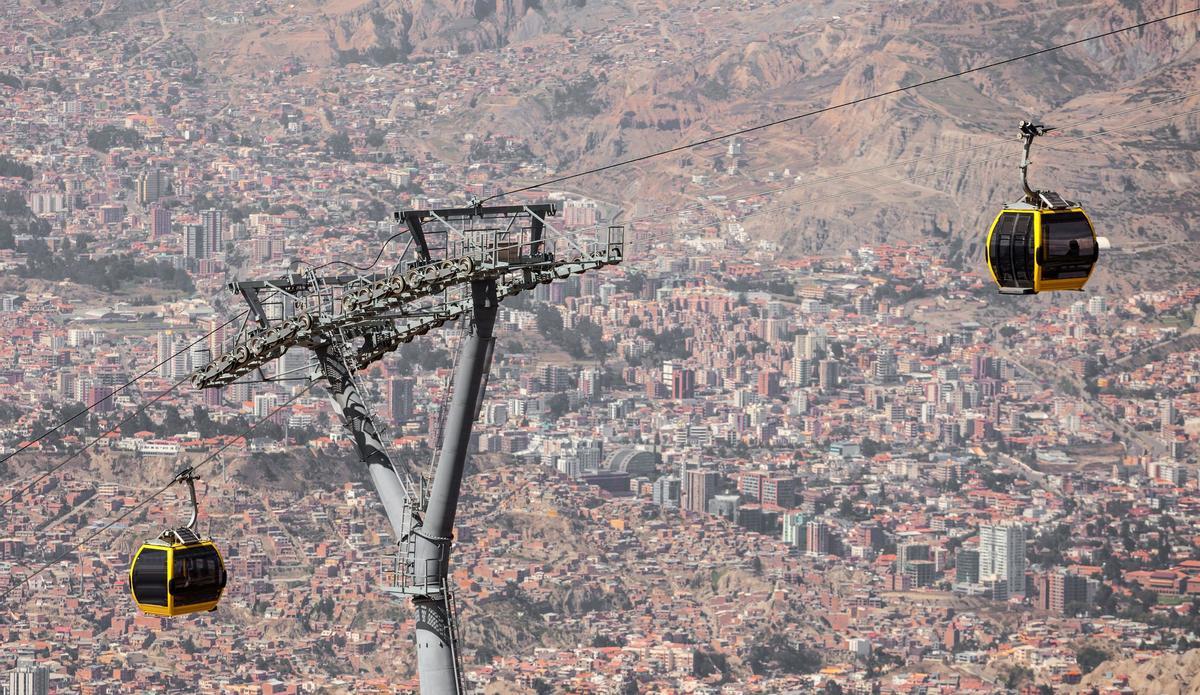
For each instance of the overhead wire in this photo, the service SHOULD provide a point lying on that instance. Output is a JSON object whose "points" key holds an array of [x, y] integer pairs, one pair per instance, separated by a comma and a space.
{"points": [[846, 175], [914, 177], [822, 180], [66, 553], [608, 167], [827, 179], [834, 107], [367, 397], [913, 160], [121, 388], [29, 486], [359, 268]]}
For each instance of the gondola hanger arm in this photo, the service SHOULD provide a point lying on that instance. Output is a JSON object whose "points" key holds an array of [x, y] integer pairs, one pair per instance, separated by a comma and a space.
{"points": [[188, 477]]}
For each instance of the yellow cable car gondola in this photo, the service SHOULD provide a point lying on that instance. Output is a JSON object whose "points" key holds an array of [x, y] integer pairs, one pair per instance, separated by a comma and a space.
{"points": [[178, 572], [1042, 243]]}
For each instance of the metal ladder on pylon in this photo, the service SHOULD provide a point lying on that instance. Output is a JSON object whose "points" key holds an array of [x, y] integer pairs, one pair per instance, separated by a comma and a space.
{"points": [[406, 550], [443, 407], [452, 632]]}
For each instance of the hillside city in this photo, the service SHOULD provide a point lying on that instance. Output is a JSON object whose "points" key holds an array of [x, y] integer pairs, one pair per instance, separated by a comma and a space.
{"points": [[705, 470]]}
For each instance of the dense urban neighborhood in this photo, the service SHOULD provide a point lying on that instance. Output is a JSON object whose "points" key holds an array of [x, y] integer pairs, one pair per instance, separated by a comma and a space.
{"points": [[715, 468]]}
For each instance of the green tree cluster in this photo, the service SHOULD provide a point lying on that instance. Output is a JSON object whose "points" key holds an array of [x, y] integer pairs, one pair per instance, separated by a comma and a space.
{"points": [[13, 203], [1090, 657], [111, 136], [109, 273], [338, 146], [577, 343], [782, 657], [11, 167]]}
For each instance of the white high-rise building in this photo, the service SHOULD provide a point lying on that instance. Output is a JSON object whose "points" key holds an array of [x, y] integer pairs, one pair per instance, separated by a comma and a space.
{"points": [[589, 383], [668, 371], [264, 403], [199, 356], [1077, 311], [495, 414], [885, 365], [28, 679], [152, 184], [1167, 413], [808, 345], [1097, 306], [293, 362], [799, 404], [194, 241], [212, 222], [166, 346], [1002, 554], [180, 365], [570, 467], [801, 375]]}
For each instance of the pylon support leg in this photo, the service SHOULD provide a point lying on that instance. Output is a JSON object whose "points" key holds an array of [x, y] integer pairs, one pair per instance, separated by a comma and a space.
{"points": [[348, 403], [436, 649]]}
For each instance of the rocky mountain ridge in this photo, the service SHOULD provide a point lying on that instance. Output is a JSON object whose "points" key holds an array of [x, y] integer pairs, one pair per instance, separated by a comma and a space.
{"points": [[779, 60]]}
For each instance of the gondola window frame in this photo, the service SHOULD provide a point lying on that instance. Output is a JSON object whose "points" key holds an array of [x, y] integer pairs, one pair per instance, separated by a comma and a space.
{"points": [[1011, 252]]}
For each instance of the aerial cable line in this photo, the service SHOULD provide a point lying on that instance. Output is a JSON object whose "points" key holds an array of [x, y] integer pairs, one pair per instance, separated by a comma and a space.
{"points": [[834, 107], [913, 160], [89, 445], [825, 179], [351, 265], [63, 555], [812, 201], [119, 389], [914, 177]]}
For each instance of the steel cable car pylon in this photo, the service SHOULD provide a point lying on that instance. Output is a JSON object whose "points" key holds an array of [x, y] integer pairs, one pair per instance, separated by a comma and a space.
{"points": [[349, 322], [436, 630]]}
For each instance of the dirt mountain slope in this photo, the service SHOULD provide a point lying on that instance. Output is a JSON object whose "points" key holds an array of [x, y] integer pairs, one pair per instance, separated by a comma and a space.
{"points": [[1170, 674]]}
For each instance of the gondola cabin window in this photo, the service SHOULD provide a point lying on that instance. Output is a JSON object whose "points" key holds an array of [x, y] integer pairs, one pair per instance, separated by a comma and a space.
{"points": [[197, 576], [1070, 247]]}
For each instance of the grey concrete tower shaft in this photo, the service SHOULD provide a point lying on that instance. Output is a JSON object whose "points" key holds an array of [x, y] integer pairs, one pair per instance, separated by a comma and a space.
{"points": [[436, 650]]}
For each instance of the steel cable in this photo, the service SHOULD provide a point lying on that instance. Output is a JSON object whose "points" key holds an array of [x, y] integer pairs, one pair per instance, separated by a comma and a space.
{"points": [[834, 107], [64, 554], [120, 388]]}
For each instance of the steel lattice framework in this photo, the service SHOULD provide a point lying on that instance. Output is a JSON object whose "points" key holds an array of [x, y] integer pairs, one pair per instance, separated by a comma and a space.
{"points": [[458, 262]]}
